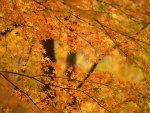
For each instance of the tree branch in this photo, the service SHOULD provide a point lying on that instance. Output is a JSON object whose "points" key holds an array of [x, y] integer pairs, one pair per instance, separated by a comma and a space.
{"points": [[20, 91]]}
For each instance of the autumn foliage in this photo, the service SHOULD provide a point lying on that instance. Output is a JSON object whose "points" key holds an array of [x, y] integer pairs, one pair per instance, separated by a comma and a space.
{"points": [[74, 56]]}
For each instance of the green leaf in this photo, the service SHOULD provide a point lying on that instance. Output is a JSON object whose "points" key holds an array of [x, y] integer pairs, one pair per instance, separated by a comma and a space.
{"points": [[27, 9], [148, 110], [103, 7], [99, 0], [5, 27], [96, 88]]}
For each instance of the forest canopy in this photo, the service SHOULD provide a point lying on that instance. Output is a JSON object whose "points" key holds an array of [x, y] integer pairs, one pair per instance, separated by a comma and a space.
{"points": [[74, 56]]}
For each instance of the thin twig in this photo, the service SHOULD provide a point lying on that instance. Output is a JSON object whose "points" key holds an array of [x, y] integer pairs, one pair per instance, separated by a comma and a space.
{"points": [[20, 91]]}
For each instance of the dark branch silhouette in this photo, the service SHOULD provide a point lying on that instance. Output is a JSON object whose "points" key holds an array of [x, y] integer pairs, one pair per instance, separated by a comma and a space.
{"points": [[20, 91]]}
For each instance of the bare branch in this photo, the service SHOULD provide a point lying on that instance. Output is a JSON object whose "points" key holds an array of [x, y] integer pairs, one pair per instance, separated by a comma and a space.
{"points": [[20, 91]]}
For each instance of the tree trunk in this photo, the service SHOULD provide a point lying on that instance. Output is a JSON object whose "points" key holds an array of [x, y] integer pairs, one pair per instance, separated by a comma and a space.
{"points": [[50, 53], [71, 62]]}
